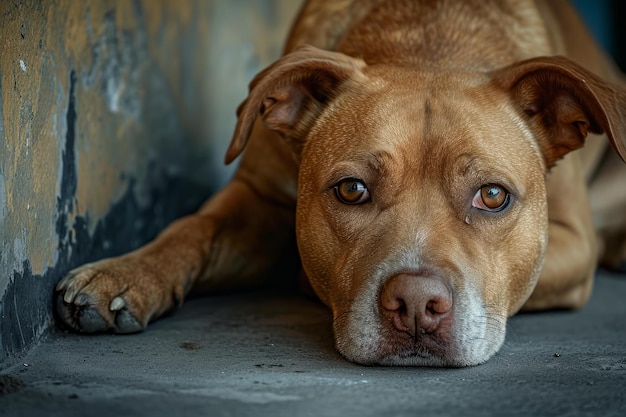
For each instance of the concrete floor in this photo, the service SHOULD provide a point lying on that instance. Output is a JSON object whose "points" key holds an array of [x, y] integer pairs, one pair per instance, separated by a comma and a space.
{"points": [[263, 354]]}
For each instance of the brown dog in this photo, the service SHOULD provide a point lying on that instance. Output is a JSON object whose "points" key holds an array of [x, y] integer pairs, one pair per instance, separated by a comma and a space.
{"points": [[414, 153]]}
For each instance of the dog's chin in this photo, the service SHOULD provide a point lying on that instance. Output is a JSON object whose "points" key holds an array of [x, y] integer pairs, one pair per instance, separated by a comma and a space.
{"points": [[385, 354], [425, 360]]}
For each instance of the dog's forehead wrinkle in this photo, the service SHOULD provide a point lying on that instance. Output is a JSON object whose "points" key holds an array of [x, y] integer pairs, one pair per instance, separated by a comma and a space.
{"points": [[377, 161], [478, 171], [466, 163]]}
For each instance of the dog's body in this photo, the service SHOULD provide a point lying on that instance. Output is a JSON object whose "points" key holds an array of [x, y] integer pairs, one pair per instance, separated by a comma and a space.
{"points": [[416, 167]]}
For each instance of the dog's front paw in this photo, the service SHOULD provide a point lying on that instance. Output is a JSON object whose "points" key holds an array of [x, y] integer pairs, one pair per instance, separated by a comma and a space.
{"points": [[119, 295]]}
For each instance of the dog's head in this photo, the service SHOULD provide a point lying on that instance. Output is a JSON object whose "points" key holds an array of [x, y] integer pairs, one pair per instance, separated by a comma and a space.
{"points": [[421, 213]]}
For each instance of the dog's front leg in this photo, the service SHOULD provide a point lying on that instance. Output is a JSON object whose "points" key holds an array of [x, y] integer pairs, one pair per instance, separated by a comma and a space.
{"points": [[567, 276], [241, 235]]}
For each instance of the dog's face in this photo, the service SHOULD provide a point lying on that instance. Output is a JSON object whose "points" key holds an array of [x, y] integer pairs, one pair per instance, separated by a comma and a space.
{"points": [[421, 215]]}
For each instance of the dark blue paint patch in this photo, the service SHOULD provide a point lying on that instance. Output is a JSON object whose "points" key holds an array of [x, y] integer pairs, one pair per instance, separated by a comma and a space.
{"points": [[69, 179], [26, 311]]}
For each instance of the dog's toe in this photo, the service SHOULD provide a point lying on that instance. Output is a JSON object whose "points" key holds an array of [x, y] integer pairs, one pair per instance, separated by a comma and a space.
{"points": [[68, 316], [73, 283], [101, 297], [79, 315], [126, 322], [90, 321]]}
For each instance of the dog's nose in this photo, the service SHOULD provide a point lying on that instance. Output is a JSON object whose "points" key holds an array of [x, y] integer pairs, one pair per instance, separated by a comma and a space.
{"points": [[416, 303]]}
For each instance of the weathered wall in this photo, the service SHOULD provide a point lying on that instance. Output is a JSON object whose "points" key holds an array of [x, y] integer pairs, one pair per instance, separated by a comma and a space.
{"points": [[114, 118]]}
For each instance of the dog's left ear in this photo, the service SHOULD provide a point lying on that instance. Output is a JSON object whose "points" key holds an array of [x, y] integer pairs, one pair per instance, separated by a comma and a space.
{"points": [[290, 94], [562, 101]]}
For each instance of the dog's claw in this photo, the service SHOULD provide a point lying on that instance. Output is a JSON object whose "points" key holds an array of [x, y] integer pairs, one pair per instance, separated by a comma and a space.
{"points": [[72, 285], [82, 299], [117, 304], [69, 291], [68, 296]]}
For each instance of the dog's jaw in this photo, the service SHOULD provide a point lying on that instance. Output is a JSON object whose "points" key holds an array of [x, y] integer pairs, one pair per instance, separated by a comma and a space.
{"points": [[470, 337], [473, 339]]}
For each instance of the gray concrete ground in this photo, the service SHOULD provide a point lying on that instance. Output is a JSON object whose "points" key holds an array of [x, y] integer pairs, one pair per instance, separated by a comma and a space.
{"points": [[262, 354]]}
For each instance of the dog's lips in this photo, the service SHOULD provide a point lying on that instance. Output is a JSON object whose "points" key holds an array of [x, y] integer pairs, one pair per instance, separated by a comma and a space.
{"points": [[402, 349], [421, 348], [406, 350], [468, 336], [425, 349]]}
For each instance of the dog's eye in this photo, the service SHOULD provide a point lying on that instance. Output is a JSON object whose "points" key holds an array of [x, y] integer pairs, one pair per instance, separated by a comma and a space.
{"points": [[352, 191], [491, 197]]}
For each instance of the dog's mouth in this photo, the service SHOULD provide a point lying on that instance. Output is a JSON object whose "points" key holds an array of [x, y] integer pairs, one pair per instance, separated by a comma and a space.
{"points": [[397, 348], [383, 346], [466, 336]]}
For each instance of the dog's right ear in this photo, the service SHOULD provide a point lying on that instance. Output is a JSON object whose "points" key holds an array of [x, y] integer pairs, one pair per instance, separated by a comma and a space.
{"points": [[291, 93]]}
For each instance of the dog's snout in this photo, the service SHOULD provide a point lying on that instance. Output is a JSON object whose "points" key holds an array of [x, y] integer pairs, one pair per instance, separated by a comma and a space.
{"points": [[416, 303]]}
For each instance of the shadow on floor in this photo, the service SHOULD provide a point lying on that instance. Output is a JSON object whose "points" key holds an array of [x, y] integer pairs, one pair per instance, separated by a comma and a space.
{"points": [[262, 354]]}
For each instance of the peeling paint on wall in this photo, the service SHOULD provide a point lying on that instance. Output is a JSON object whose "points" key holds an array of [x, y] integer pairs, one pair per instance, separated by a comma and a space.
{"points": [[114, 117], [3, 189], [66, 199], [3, 201]]}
